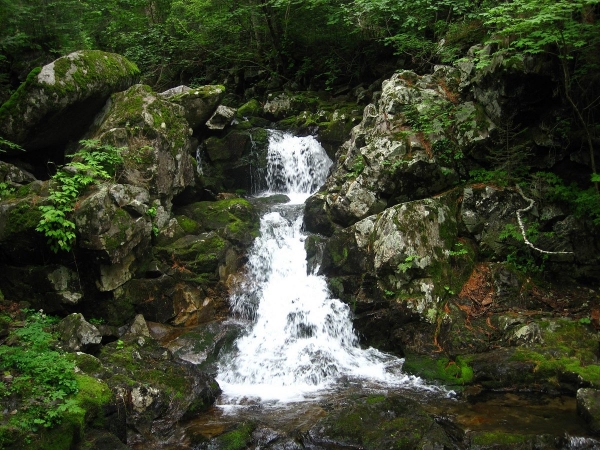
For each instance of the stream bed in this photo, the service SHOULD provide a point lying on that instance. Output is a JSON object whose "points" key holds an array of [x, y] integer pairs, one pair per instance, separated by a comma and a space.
{"points": [[298, 358]]}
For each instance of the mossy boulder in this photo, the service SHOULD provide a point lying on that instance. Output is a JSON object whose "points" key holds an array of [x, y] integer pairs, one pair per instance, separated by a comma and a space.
{"points": [[59, 101], [234, 219], [379, 422], [155, 136], [155, 390], [198, 103]]}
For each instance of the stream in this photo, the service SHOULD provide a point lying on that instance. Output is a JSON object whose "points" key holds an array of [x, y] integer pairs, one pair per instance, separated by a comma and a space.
{"points": [[299, 354]]}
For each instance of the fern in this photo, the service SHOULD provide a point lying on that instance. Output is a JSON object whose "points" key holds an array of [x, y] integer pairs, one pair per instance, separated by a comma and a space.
{"points": [[92, 163]]}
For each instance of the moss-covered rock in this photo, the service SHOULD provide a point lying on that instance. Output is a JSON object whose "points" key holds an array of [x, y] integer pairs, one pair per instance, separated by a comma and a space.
{"points": [[199, 103], [155, 134], [57, 102], [379, 422], [155, 390], [234, 219]]}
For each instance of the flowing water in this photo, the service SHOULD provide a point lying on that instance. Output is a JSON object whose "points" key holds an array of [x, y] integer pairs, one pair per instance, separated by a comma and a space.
{"points": [[299, 340], [299, 354]]}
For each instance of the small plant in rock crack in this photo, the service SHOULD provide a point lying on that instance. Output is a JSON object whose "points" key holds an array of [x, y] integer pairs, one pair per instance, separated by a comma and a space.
{"points": [[407, 264], [93, 163]]}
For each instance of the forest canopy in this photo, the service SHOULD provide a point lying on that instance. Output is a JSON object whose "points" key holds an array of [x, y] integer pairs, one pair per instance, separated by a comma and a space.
{"points": [[309, 42]]}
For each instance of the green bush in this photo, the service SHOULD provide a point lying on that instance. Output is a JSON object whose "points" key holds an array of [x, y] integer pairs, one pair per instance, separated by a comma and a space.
{"points": [[40, 379], [93, 163]]}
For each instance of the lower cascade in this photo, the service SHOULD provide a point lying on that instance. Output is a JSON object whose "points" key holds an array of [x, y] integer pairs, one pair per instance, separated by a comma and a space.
{"points": [[298, 339]]}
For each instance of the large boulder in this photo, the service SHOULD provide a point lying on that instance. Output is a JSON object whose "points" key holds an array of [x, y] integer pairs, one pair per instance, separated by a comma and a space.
{"points": [[58, 101], [155, 134], [112, 221], [397, 267], [198, 103]]}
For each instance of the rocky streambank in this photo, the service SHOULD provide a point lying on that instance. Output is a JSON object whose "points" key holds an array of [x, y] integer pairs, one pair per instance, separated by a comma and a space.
{"points": [[445, 187]]}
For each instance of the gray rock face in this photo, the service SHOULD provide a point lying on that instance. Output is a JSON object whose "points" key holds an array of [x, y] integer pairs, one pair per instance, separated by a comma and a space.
{"points": [[198, 103], [13, 176], [405, 248], [103, 225], [70, 91], [394, 155], [221, 118], [588, 406], [77, 334]]}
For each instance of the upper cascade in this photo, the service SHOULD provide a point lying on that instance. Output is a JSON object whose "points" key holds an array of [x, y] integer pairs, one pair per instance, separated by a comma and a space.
{"points": [[296, 166]]}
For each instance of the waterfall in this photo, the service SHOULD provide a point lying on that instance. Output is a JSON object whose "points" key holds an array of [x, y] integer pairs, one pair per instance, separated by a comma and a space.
{"points": [[299, 339]]}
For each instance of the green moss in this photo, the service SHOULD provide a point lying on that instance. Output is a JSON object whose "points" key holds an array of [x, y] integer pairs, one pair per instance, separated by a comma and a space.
{"points": [[250, 108], [92, 397], [569, 347], [24, 217], [377, 423], [375, 399], [234, 219], [453, 373], [123, 222], [188, 225], [236, 439], [497, 438], [9, 107]]}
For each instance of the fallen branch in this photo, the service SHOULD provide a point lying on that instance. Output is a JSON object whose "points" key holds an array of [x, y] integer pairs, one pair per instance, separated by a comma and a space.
{"points": [[522, 226]]}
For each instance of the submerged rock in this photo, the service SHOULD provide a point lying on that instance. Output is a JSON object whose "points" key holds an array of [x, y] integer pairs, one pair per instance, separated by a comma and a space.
{"points": [[379, 422]]}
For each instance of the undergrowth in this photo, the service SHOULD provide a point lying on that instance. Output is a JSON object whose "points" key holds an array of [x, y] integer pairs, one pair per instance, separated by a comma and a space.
{"points": [[93, 163], [38, 383]]}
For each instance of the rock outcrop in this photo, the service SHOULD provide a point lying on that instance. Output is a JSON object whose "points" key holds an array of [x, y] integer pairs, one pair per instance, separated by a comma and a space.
{"points": [[404, 149]]}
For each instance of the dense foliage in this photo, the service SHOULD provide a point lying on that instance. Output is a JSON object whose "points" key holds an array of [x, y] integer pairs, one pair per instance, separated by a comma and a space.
{"points": [[38, 382], [323, 42]]}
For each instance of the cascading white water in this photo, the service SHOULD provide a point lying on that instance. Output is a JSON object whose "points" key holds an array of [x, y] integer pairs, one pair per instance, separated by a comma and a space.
{"points": [[300, 340]]}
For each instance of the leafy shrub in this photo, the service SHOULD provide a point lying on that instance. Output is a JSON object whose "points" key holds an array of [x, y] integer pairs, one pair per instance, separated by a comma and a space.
{"points": [[92, 163], [42, 379]]}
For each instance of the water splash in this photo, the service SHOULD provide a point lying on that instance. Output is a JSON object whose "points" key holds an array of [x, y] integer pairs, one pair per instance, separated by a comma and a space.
{"points": [[296, 166], [300, 340]]}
